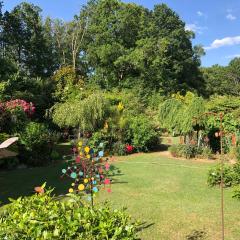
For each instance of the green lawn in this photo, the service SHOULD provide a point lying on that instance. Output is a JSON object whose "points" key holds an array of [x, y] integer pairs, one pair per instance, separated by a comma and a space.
{"points": [[170, 140], [170, 196]]}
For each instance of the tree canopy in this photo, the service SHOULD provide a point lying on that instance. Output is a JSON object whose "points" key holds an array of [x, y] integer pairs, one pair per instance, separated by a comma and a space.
{"points": [[85, 113], [177, 113], [130, 45], [131, 54]]}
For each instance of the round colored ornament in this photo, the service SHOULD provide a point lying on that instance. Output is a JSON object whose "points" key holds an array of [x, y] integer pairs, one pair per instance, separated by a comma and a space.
{"points": [[81, 187], [87, 149], [73, 175]]}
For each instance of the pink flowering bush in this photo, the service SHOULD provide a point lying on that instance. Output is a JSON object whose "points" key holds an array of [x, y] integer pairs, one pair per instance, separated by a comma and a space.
{"points": [[14, 115], [26, 107]]}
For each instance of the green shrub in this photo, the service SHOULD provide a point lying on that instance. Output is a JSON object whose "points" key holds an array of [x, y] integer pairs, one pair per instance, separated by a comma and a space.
{"points": [[205, 152], [236, 192], [4, 137], [98, 138], [9, 163], [184, 150], [237, 153], [13, 121], [119, 148], [175, 150], [232, 153], [190, 151], [55, 155], [36, 144], [142, 133], [43, 217], [236, 171], [229, 176], [18, 120], [5, 121]]}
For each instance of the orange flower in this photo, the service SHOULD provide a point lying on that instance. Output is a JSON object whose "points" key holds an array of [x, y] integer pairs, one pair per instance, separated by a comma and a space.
{"points": [[39, 190]]}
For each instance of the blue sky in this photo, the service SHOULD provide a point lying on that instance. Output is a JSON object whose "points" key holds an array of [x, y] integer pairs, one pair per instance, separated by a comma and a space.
{"points": [[215, 22]]}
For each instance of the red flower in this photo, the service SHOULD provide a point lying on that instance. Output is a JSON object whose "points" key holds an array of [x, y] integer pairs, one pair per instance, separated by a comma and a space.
{"points": [[107, 166], [107, 181], [129, 148], [78, 159]]}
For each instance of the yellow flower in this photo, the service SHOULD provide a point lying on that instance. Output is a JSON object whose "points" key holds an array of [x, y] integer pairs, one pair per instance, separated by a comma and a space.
{"points": [[87, 149], [80, 144], [70, 190], [85, 180], [120, 107], [81, 187], [88, 156], [105, 125]]}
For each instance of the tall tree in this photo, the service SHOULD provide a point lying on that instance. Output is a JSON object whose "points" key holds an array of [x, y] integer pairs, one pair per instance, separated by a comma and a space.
{"points": [[113, 31], [1, 31], [233, 73], [223, 80], [130, 45], [69, 38], [23, 37], [59, 35], [216, 80]]}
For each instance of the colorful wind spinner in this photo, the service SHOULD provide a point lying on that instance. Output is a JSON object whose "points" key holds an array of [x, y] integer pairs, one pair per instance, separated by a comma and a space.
{"points": [[89, 171]]}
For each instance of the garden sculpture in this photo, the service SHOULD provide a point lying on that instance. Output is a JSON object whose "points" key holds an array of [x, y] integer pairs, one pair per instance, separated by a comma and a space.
{"points": [[89, 170]]}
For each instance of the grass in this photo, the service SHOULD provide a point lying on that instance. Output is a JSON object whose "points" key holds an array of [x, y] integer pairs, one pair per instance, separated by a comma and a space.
{"points": [[170, 196], [170, 140]]}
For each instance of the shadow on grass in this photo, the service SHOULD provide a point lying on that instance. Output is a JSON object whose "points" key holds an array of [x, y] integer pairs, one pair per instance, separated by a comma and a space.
{"points": [[161, 148], [197, 235], [119, 182], [21, 182], [144, 225]]}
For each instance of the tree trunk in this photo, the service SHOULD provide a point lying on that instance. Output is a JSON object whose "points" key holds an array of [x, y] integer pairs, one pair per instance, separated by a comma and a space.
{"points": [[79, 132], [199, 138]]}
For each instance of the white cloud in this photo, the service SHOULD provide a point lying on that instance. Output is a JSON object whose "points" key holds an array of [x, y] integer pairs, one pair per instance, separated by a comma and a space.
{"points": [[233, 56], [227, 41], [195, 28], [200, 14], [231, 17]]}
